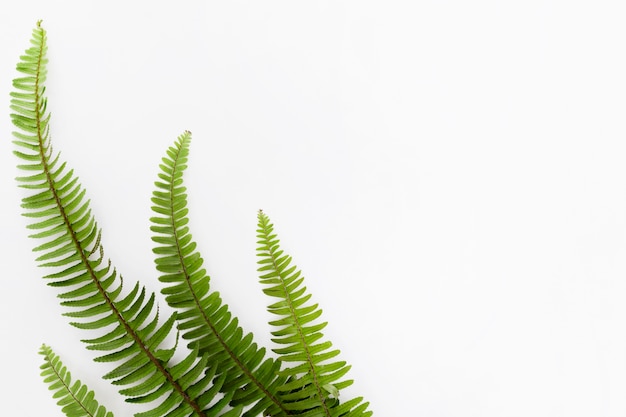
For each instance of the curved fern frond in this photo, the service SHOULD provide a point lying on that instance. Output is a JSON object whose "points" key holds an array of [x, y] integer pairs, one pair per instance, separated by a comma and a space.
{"points": [[315, 379], [204, 320], [130, 333], [75, 398]]}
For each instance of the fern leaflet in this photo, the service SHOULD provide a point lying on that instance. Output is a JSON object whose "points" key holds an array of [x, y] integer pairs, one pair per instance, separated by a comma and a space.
{"points": [[314, 380], [75, 398], [204, 320]]}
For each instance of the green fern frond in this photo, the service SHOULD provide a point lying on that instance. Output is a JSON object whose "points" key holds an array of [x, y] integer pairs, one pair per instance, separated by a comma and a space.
{"points": [[225, 372], [75, 398], [72, 247], [202, 317], [315, 379]]}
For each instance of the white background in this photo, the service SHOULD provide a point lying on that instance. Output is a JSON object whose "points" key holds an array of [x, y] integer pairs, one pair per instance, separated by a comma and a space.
{"points": [[449, 175]]}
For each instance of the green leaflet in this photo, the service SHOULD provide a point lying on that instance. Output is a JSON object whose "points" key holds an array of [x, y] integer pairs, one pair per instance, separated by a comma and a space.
{"points": [[203, 319], [314, 379], [75, 398], [222, 372]]}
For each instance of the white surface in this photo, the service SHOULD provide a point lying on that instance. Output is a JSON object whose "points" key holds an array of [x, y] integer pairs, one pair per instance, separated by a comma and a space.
{"points": [[449, 175]]}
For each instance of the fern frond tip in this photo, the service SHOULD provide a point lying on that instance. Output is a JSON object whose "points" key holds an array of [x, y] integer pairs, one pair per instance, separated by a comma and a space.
{"points": [[74, 397]]}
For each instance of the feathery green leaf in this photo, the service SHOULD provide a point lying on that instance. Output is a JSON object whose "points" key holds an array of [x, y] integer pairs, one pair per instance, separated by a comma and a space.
{"points": [[203, 319], [75, 398], [314, 378]]}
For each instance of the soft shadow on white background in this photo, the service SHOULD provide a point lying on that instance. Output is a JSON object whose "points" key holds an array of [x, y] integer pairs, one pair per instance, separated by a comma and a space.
{"points": [[449, 176]]}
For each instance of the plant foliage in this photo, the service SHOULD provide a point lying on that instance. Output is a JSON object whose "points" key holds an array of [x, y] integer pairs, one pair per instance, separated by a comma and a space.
{"points": [[223, 372], [74, 397]]}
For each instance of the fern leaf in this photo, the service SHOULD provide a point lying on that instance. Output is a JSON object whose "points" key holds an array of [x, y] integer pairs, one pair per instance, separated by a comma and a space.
{"points": [[75, 398], [315, 377], [130, 333], [203, 319]]}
